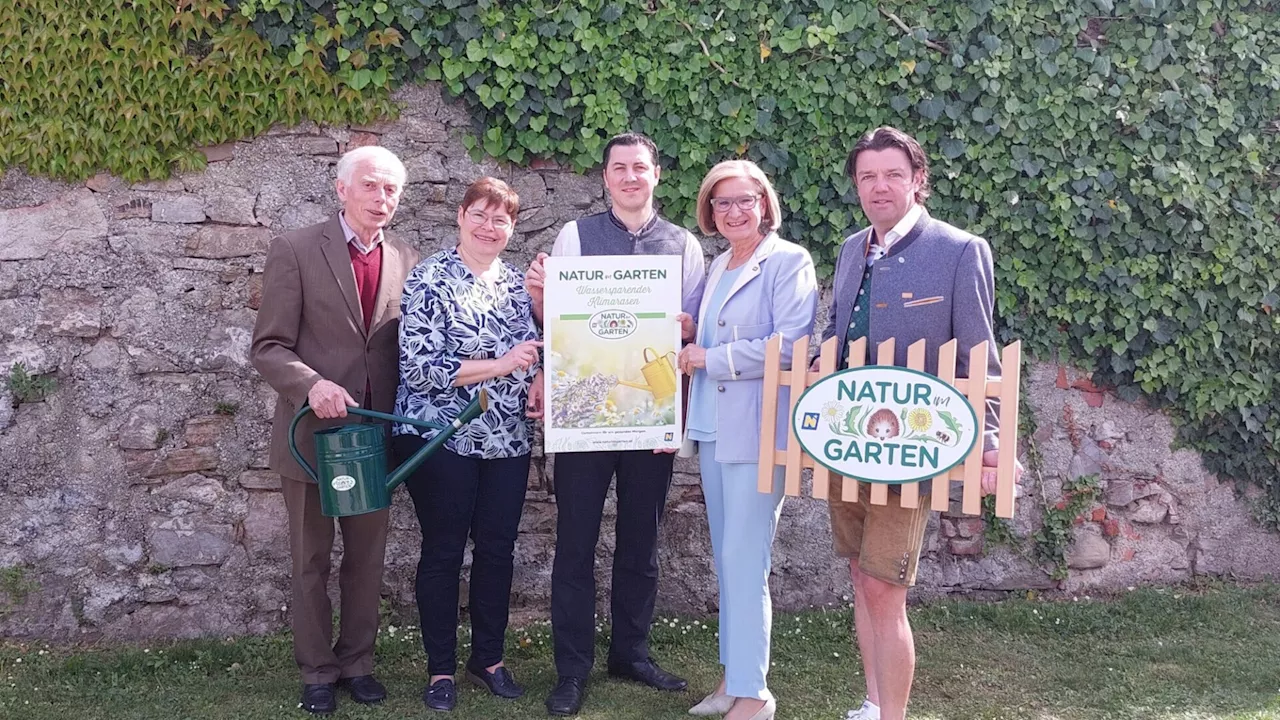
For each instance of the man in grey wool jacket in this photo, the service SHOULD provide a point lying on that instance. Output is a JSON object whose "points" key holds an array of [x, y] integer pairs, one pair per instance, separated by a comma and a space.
{"points": [[908, 277]]}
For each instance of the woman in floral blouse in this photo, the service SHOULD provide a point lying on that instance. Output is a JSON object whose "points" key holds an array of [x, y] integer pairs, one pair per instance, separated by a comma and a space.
{"points": [[466, 324]]}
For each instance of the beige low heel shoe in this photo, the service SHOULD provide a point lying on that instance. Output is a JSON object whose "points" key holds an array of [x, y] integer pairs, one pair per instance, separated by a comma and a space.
{"points": [[766, 712], [712, 704]]}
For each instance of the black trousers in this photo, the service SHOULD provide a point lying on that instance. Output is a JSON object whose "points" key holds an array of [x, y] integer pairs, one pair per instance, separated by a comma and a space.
{"points": [[456, 497], [581, 483]]}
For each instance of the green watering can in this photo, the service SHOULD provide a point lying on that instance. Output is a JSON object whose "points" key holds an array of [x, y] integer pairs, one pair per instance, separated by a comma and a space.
{"points": [[352, 459]]}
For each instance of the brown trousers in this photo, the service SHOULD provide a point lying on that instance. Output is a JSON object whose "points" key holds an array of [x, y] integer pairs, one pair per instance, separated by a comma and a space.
{"points": [[364, 541]]}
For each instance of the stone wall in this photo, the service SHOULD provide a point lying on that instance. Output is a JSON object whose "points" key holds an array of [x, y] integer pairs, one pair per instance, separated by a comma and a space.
{"points": [[136, 502]]}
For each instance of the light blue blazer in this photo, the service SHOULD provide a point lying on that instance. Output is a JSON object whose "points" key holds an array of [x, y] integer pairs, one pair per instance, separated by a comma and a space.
{"points": [[776, 294]]}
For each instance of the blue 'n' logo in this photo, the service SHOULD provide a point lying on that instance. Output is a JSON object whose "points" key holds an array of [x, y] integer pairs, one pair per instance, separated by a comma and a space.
{"points": [[810, 421]]}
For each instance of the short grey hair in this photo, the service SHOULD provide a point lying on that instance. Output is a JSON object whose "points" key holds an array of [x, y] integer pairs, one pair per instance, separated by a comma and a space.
{"points": [[353, 159]]}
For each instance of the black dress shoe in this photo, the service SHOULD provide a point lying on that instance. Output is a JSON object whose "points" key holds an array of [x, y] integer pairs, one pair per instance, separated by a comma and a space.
{"points": [[500, 682], [566, 698], [647, 671], [440, 695], [364, 689], [319, 699]]}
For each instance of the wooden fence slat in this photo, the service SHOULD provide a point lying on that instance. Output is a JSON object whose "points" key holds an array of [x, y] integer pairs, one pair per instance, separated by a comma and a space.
{"points": [[769, 412], [884, 356], [910, 497], [947, 374], [799, 366], [826, 365], [994, 386], [972, 496], [857, 358], [1011, 374]]}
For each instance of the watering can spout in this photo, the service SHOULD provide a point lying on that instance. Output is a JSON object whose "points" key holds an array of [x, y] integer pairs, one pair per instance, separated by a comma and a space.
{"points": [[477, 406]]}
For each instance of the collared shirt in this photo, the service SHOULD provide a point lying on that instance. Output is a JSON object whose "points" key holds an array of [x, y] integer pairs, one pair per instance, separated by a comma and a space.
{"points": [[449, 315], [860, 319], [693, 265], [355, 239], [898, 231]]}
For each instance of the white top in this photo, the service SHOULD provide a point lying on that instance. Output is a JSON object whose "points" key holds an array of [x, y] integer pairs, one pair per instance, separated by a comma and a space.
{"points": [[903, 227]]}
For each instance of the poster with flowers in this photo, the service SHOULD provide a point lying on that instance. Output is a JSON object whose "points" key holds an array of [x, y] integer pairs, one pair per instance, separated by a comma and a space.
{"points": [[611, 338]]}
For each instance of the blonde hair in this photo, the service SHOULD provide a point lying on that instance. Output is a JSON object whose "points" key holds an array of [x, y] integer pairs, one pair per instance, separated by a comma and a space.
{"points": [[771, 212]]}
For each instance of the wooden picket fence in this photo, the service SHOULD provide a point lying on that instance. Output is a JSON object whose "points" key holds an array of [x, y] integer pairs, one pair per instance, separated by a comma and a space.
{"points": [[977, 388]]}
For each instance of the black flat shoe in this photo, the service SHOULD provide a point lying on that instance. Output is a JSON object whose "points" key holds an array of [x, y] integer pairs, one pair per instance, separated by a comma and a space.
{"points": [[566, 698], [440, 695], [500, 682], [364, 689], [319, 699], [648, 672]]}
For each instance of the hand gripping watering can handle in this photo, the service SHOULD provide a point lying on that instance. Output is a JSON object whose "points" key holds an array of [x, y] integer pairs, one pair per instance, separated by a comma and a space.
{"points": [[306, 408]]}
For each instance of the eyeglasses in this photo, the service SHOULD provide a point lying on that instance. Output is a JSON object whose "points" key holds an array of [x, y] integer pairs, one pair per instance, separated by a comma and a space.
{"points": [[499, 222], [745, 202]]}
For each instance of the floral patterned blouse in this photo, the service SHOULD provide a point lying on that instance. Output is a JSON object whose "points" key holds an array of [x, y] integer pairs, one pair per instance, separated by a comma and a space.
{"points": [[448, 315]]}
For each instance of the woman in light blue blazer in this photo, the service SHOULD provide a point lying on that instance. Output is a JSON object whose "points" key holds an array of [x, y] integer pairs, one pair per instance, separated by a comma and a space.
{"points": [[761, 287]]}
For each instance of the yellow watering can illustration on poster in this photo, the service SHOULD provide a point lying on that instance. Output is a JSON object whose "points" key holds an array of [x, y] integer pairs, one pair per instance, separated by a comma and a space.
{"points": [[659, 375]]}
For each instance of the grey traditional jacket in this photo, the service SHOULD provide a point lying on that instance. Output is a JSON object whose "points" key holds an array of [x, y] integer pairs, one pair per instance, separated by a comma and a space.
{"points": [[935, 284], [776, 294]]}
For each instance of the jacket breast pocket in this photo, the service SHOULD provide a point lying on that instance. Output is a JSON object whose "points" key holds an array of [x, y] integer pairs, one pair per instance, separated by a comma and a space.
{"points": [[752, 332], [923, 301]]}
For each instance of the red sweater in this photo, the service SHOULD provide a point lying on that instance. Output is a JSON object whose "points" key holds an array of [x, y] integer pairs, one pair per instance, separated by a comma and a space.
{"points": [[368, 269]]}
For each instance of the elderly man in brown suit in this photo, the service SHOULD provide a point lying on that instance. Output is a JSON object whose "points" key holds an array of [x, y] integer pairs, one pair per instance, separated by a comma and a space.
{"points": [[328, 333]]}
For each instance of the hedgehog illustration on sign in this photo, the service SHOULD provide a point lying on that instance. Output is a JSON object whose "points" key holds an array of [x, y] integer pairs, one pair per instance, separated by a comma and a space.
{"points": [[883, 424]]}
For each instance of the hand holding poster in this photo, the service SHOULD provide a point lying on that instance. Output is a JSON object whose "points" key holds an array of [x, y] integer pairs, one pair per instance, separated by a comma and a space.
{"points": [[611, 339]]}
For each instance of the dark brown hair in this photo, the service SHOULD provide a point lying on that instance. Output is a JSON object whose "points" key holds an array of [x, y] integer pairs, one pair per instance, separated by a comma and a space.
{"points": [[887, 138], [631, 138], [492, 192]]}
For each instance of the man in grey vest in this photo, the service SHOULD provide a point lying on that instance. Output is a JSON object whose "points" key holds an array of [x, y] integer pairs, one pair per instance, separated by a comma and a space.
{"points": [[907, 277], [630, 227]]}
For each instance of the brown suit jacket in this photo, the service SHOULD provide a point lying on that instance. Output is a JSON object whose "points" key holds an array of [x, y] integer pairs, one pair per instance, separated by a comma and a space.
{"points": [[310, 328]]}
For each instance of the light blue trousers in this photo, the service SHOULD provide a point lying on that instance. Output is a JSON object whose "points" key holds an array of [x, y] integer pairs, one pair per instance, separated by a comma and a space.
{"points": [[743, 521]]}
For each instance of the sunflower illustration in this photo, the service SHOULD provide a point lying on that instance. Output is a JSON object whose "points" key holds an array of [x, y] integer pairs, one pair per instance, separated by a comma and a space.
{"points": [[919, 419]]}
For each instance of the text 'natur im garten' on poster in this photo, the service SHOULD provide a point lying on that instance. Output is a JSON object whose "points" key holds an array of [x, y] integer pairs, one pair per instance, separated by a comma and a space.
{"points": [[611, 337]]}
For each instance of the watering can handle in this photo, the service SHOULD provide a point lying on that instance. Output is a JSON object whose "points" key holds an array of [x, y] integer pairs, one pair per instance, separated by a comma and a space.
{"points": [[648, 350], [293, 444], [306, 408]]}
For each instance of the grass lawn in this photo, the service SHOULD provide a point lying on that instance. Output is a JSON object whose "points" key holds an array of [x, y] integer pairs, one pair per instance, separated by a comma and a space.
{"points": [[1205, 652]]}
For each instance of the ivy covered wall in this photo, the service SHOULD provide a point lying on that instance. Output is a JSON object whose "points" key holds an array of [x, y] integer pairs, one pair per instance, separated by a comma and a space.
{"points": [[1121, 157]]}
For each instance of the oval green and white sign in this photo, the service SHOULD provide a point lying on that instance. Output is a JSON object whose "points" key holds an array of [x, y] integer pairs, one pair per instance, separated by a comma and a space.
{"points": [[885, 424]]}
